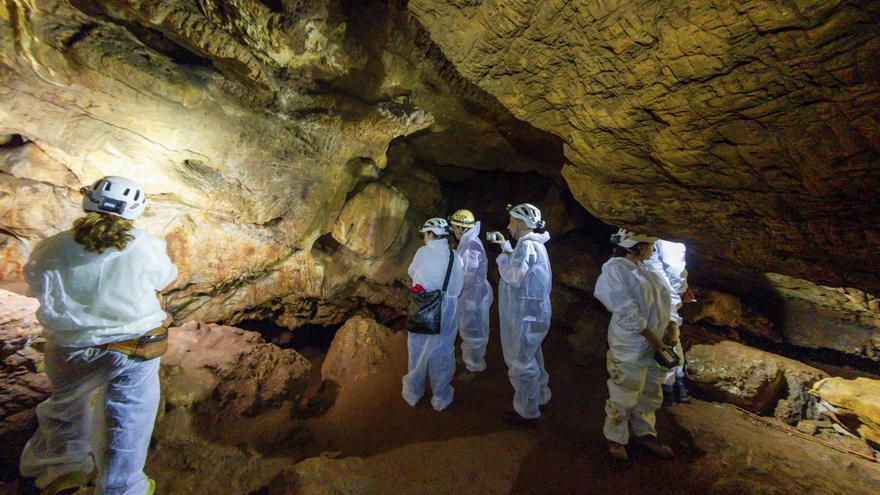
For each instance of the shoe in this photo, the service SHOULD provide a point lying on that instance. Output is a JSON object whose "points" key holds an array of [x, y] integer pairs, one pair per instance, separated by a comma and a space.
{"points": [[656, 447], [467, 376], [617, 452], [68, 484], [668, 395], [513, 417], [681, 392]]}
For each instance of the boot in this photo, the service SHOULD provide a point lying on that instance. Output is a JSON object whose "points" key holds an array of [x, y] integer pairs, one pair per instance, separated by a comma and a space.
{"points": [[467, 376], [70, 483], [681, 393], [656, 447], [668, 396], [513, 417], [617, 452]]}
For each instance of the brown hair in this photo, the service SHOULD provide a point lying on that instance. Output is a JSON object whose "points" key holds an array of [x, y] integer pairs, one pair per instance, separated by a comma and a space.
{"points": [[97, 232]]}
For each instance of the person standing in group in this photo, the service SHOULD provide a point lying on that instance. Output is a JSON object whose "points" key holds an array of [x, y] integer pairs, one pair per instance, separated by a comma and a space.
{"points": [[641, 302], [476, 294], [669, 259], [434, 266], [97, 287], [525, 311]]}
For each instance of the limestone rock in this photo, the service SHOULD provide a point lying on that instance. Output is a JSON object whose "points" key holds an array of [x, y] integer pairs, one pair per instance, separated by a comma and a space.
{"points": [[715, 308], [703, 122], [323, 475], [816, 316], [359, 349], [243, 173], [753, 379], [853, 403], [371, 220], [22, 386], [241, 376]]}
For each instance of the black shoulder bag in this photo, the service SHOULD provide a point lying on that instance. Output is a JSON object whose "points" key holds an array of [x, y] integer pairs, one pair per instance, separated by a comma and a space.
{"points": [[425, 308]]}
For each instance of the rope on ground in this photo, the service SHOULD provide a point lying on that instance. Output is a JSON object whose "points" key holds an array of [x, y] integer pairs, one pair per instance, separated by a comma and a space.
{"points": [[800, 434]]}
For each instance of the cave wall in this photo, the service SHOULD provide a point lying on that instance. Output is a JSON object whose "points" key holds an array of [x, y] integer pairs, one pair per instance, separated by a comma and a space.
{"points": [[261, 133], [747, 129]]}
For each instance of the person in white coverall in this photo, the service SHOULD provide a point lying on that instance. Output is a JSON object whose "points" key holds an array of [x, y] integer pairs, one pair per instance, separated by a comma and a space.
{"points": [[97, 284], [434, 355], [642, 305], [669, 258], [476, 294], [525, 311]]}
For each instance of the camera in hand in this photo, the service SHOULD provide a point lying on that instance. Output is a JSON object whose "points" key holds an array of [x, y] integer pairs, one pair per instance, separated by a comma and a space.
{"points": [[667, 357], [492, 237]]}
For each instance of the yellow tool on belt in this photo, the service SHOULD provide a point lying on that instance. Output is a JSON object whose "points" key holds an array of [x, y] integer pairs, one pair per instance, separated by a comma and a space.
{"points": [[148, 346]]}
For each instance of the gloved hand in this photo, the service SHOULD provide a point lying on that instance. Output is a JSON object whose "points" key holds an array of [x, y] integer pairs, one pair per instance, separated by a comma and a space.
{"points": [[672, 334], [499, 238], [653, 340]]}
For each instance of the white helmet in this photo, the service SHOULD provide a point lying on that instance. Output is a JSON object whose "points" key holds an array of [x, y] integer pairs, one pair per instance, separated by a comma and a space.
{"points": [[116, 196], [438, 226], [528, 214], [627, 239]]}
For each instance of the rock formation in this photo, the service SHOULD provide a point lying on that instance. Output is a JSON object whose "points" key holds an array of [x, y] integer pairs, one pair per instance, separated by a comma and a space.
{"points": [[750, 130], [853, 403], [262, 137], [359, 349], [756, 380]]}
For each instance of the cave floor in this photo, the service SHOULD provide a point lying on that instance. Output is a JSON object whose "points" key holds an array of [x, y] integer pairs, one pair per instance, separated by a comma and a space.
{"points": [[469, 449]]}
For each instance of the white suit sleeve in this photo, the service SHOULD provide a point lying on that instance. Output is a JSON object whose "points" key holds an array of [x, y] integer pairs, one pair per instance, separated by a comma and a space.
{"points": [[672, 255], [513, 267], [160, 268], [613, 291], [471, 261], [414, 270]]}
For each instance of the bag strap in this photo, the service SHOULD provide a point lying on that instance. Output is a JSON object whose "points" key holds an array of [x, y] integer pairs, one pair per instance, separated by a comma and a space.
{"points": [[448, 270]]}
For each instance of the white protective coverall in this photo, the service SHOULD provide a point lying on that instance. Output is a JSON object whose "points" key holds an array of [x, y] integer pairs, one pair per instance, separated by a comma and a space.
{"points": [[525, 311], [434, 355], [638, 297], [88, 299], [669, 258], [475, 301]]}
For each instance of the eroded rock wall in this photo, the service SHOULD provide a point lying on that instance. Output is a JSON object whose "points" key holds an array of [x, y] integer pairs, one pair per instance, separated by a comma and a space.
{"points": [[749, 129], [260, 132]]}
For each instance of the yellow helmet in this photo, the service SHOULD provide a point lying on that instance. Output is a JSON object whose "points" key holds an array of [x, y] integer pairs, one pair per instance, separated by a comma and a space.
{"points": [[463, 218]]}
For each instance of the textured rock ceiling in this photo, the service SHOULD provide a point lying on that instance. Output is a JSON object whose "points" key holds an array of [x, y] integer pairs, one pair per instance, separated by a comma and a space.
{"points": [[291, 147], [751, 129]]}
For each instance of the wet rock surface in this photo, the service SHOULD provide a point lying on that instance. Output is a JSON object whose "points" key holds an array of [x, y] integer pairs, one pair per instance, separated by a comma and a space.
{"points": [[753, 379]]}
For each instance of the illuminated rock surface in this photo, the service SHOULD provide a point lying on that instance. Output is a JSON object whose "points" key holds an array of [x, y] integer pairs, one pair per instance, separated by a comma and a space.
{"points": [[750, 130]]}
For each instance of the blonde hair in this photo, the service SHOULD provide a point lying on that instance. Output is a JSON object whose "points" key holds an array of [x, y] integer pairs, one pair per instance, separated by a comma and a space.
{"points": [[97, 232]]}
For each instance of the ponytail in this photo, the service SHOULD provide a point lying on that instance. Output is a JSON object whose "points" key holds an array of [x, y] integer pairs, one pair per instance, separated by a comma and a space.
{"points": [[97, 232]]}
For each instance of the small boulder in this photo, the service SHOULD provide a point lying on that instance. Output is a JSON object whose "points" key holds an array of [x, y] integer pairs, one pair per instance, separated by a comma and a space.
{"points": [[756, 380], [359, 349], [715, 308], [854, 404], [323, 475]]}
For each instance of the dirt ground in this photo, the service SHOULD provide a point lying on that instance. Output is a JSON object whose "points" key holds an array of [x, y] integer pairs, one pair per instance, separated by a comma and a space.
{"points": [[469, 449]]}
